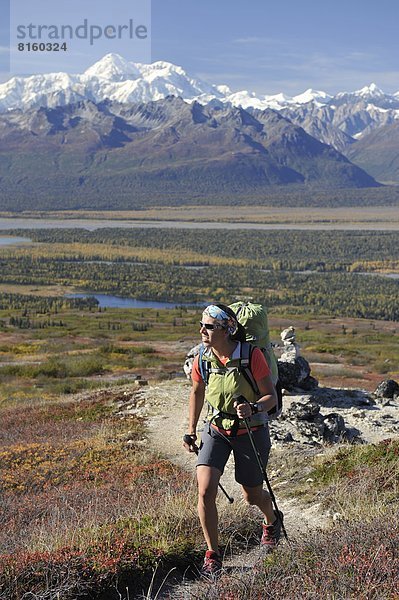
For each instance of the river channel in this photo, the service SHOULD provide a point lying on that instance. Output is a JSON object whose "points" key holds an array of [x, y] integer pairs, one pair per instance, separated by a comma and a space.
{"points": [[92, 224]]}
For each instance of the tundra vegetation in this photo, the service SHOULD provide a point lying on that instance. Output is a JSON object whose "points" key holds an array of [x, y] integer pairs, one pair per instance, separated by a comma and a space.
{"points": [[88, 511]]}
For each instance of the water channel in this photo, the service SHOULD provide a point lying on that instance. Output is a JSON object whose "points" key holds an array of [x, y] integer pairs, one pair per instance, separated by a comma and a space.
{"points": [[92, 224]]}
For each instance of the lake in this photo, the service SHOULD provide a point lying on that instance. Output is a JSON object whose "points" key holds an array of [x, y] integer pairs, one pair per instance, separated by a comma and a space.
{"points": [[10, 241], [108, 301]]}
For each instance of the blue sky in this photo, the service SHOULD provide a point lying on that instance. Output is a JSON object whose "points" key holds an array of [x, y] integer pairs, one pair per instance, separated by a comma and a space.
{"points": [[267, 47], [285, 46]]}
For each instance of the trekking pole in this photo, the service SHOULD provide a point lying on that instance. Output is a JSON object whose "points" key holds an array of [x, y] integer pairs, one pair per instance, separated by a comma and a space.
{"points": [[188, 440], [263, 471]]}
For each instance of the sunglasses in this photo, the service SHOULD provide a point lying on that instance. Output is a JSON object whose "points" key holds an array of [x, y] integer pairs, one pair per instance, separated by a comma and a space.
{"points": [[210, 326]]}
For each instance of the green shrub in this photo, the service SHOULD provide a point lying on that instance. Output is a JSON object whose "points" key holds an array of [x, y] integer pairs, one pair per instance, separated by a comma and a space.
{"points": [[347, 460]]}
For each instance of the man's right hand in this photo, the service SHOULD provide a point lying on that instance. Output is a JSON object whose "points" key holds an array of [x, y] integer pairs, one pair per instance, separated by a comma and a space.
{"points": [[189, 442]]}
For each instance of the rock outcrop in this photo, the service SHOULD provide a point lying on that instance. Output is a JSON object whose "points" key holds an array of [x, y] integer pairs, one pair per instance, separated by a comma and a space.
{"points": [[304, 422], [293, 375]]}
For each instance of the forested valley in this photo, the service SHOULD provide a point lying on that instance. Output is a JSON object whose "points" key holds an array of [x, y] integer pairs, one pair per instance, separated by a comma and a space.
{"points": [[319, 273]]}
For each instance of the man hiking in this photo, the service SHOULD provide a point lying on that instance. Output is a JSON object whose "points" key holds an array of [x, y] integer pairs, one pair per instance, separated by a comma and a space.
{"points": [[235, 410]]}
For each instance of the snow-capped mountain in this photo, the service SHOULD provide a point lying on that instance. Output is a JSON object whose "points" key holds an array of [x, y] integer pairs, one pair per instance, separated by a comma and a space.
{"points": [[369, 92], [114, 78], [111, 78], [338, 120]]}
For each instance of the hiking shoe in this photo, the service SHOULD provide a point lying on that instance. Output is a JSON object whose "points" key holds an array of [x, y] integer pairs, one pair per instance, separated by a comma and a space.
{"points": [[272, 533], [212, 564]]}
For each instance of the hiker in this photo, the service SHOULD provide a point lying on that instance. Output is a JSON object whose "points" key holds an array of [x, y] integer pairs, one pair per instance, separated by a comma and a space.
{"points": [[232, 399]]}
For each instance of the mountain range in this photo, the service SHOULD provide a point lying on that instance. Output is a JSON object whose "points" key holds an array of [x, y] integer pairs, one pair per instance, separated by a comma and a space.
{"points": [[152, 131]]}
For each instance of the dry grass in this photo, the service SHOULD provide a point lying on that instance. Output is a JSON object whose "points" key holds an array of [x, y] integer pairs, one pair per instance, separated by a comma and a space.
{"points": [[87, 509], [353, 561], [360, 482], [84, 504], [87, 512], [358, 557]]}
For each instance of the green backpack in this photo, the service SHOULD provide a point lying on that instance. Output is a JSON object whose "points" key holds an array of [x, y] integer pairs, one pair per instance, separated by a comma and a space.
{"points": [[253, 318]]}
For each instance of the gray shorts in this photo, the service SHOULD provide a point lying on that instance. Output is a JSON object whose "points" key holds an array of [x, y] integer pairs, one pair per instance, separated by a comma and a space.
{"points": [[215, 451]]}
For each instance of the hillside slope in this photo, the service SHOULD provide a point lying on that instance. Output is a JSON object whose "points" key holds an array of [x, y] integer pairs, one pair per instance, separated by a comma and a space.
{"points": [[378, 153]]}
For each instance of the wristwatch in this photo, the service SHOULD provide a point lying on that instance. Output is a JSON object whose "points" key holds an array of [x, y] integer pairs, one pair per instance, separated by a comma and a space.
{"points": [[255, 408]]}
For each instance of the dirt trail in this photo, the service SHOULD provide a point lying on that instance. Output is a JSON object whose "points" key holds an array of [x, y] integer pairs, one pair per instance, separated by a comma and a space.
{"points": [[166, 407]]}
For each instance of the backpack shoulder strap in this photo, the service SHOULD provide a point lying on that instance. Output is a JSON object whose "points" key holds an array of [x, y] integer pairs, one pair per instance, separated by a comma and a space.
{"points": [[206, 368], [245, 364], [246, 355], [276, 411], [203, 365]]}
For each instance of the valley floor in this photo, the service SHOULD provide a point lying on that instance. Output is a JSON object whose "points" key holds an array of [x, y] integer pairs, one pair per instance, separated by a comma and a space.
{"points": [[350, 218]]}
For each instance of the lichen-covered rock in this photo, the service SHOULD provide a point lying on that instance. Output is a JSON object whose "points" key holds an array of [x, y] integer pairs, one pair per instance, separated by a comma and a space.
{"points": [[303, 422], [291, 349], [311, 431], [309, 383], [303, 412], [290, 353], [334, 426], [288, 335], [387, 389]]}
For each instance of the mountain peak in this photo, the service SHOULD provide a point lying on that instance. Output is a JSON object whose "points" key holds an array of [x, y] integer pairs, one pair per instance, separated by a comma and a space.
{"points": [[113, 67], [163, 65], [282, 98], [370, 90], [311, 95]]}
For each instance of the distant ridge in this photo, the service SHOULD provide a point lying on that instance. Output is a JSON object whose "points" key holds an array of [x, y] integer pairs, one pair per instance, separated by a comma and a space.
{"points": [[378, 153], [119, 156]]}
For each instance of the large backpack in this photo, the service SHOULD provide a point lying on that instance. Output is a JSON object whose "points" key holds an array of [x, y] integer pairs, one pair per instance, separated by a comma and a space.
{"points": [[253, 318]]}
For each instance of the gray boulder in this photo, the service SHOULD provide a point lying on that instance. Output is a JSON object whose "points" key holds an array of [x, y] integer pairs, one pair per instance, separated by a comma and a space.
{"points": [[304, 423], [296, 374]]}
